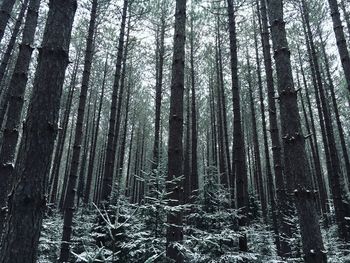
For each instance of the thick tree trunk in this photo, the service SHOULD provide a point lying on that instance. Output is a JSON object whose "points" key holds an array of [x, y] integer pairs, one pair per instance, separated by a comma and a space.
{"points": [[27, 201], [17, 90], [282, 205], [78, 138], [239, 160], [295, 159], [175, 147]]}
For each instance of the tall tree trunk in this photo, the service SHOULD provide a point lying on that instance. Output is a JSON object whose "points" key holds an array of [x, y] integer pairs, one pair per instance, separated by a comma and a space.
{"points": [[295, 159], [5, 97], [175, 148], [315, 153], [336, 110], [239, 162], [55, 171], [261, 185], [269, 176], [159, 86], [187, 153], [194, 159], [17, 89], [340, 38], [111, 147], [27, 201], [335, 180], [78, 138], [94, 141], [282, 205]]}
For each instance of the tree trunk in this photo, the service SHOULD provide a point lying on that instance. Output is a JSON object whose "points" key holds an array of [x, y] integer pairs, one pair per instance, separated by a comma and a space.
{"points": [[340, 38], [94, 141], [335, 177], [111, 147], [239, 162], [175, 147], [282, 205], [78, 138], [27, 201], [194, 159], [295, 159], [17, 90], [5, 97], [55, 172], [259, 174]]}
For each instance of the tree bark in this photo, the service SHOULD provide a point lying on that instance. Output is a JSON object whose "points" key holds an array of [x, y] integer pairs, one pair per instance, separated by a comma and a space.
{"points": [[340, 38], [295, 159], [27, 201], [69, 207], [175, 148], [111, 147], [239, 162], [17, 89]]}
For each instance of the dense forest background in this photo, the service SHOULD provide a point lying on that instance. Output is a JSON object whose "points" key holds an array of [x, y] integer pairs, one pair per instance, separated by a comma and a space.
{"points": [[174, 131]]}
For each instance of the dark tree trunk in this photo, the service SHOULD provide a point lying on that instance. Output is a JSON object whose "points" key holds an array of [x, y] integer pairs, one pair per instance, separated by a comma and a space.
{"points": [[335, 180], [282, 205], [160, 52], [16, 100], [111, 146], [5, 97], [224, 180], [315, 152], [269, 176], [346, 16], [78, 138], [84, 156], [261, 186], [194, 159], [340, 38], [175, 147], [336, 111], [239, 162], [187, 153], [5, 14], [27, 201], [94, 141], [55, 172], [295, 159]]}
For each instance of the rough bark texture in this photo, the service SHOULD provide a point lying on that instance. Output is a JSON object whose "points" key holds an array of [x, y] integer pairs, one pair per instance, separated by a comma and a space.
{"points": [[175, 148], [78, 138], [27, 201], [295, 159], [17, 89], [284, 227]]}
